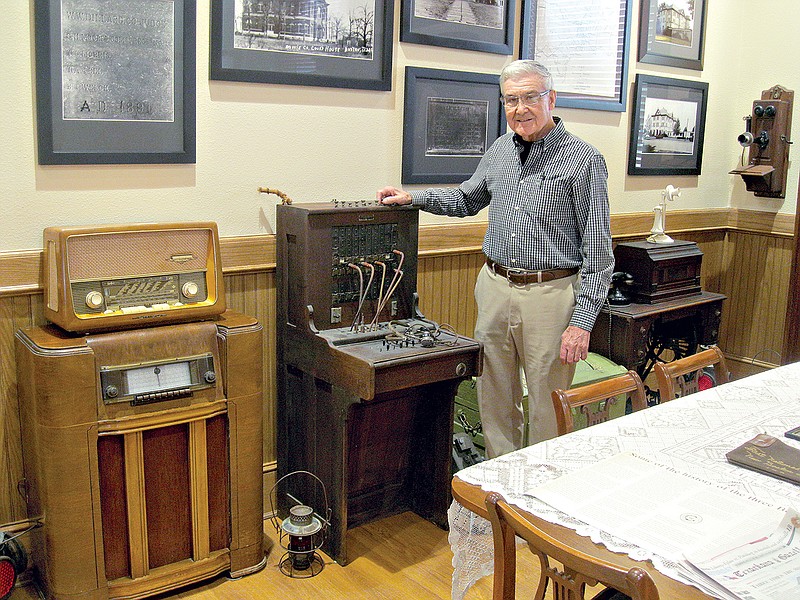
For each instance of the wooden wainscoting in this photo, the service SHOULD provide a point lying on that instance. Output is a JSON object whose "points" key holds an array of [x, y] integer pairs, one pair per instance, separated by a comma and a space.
{"points": [[747, 256], [755, 277]]}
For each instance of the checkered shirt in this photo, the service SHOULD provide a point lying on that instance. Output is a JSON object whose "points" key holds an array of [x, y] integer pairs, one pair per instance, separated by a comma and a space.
{"points": [[550, 213]]}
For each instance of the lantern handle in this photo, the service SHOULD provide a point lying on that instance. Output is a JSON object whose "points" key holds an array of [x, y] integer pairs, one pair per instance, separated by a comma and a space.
{"points": [[276, 522]]}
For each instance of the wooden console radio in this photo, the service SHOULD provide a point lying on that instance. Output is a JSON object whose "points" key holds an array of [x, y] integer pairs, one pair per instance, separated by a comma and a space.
{"points": [[142, 446], [365, 383]]}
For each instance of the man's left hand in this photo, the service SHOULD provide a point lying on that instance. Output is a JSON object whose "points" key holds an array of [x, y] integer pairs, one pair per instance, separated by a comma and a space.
{"points": [[574, 344]]}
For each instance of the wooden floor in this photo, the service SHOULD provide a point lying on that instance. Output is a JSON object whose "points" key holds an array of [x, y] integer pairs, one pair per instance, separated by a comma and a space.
{"points": [[400, 557]]}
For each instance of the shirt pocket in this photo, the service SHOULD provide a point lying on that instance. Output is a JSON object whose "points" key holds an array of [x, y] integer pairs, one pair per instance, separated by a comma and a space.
{"points": [[545, 195]]}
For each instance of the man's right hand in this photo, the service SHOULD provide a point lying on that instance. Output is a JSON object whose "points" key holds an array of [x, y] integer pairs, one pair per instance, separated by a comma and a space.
{"points": [[393, 195]]}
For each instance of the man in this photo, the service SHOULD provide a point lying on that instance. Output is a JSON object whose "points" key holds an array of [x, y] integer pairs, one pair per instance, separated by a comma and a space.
{"points": [[548, 255]]}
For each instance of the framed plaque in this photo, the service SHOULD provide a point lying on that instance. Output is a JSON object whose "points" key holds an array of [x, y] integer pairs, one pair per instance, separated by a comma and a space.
{"points": [[585, 47], [115, 81], [482, 25], [668, 126], [331, 43], [450, 120]]}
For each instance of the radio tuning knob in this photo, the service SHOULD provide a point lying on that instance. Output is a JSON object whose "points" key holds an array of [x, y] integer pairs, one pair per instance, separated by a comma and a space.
{"points": [[210, 376], [189, 289], [112, 391], [94, 299]]}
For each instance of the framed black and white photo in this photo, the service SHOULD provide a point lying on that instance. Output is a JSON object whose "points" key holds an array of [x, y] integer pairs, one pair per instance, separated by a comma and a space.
{"points": [[482, 25], [671, 33], [450, 119], [329, 43], [668, 126], [115, 81], [585, 47]]}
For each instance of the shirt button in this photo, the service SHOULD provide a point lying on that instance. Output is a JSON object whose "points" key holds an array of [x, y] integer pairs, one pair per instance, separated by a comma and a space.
{"points": [[516, 208], [513, 260], [513, 235]]}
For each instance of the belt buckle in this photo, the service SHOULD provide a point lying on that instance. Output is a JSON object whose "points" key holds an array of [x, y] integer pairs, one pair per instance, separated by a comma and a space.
{"points": [[524, 273]]}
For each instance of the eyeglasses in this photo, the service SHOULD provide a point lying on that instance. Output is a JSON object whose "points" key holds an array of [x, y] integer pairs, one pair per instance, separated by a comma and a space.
{"points": [[530, 100]]}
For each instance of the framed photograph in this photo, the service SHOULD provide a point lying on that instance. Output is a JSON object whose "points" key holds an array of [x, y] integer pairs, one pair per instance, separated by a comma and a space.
{"points": [[329, 43], [671, 33], [115, 81], [482, 25], [585, 47], [667, 126], [450, 120]]}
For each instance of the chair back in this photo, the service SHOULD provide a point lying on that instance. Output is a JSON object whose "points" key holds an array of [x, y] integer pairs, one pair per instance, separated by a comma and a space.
{"points": [[603, 392], [683, 376], [580, 570]]}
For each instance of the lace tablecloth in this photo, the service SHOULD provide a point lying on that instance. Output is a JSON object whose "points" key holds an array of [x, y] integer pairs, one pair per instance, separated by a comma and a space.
{"points": [[690, 434]]}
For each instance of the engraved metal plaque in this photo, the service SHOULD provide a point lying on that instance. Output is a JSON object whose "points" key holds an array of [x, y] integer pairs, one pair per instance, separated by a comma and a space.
{"points": [[118, 61]]}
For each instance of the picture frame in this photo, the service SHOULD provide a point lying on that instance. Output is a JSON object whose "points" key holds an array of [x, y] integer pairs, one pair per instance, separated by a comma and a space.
{"points": [[488, 28], [672, 33], [250, 43], [450, 119], [91, 110], [585, 47], [667, 126]]}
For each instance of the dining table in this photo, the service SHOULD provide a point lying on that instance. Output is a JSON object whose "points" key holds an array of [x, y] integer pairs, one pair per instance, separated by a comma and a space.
{"points": [[690, 436]]}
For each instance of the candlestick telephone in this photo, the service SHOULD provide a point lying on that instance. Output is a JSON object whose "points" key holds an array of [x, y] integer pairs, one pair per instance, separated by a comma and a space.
{"points": [[618, 293]]}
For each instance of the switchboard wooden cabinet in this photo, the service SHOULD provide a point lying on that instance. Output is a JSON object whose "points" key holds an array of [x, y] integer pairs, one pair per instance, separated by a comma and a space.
{"points": [[365, 383], [143, 455]]}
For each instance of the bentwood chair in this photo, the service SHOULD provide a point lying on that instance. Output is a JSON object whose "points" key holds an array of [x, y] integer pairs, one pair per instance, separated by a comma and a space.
{"points": [[595, 399], [580, 570], [691, 374]]}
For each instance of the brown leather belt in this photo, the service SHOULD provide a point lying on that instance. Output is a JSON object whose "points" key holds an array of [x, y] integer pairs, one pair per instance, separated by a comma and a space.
{"points": [[524, 277]]}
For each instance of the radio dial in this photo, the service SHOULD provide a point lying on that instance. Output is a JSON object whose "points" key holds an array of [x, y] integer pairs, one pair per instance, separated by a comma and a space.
{"points": [[112, 391], [210, 376], [189, 289], [94, 299]]}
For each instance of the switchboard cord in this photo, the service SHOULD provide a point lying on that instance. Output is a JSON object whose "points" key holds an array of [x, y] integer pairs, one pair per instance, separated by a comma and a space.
{"points": [[361, 294], [381, 290], [426, 334], [396, 278]]}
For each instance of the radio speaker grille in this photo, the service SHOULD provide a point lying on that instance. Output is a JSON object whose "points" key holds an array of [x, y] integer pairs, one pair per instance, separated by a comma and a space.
{"points": [[118, 254]]}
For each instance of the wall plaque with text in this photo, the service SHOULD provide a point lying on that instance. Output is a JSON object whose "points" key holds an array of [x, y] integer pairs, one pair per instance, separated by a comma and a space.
{"points": [[115, 81], [117, 59]]}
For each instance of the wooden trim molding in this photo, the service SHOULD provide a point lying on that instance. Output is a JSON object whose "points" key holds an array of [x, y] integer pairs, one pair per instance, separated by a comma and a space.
{"points": [[21, 271]]}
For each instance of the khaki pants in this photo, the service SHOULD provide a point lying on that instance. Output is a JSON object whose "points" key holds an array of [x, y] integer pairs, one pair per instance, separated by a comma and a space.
{"points": [[520, 325]]}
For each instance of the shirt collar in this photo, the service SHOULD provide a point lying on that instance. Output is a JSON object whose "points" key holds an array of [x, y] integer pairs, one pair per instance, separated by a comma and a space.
{"points": [[552, 137]]}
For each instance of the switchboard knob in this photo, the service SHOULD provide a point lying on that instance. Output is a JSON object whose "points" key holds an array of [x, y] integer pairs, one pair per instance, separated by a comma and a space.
{"points": [[94, 299], [210, 376], [189, 289], [112, 391]]}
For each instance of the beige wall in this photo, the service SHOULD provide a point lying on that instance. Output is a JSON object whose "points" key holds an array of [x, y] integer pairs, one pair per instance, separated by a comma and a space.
{"points": [[320, 143]]}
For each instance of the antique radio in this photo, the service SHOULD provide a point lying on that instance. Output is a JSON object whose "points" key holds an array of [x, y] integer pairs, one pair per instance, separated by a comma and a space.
{"points": [[143, 455], [660, 272], [141, 415], [123, 276]]}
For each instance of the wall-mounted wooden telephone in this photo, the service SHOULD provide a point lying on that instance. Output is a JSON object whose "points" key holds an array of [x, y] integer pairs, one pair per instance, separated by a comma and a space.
{"points": [[767, 135], [618, 294]]}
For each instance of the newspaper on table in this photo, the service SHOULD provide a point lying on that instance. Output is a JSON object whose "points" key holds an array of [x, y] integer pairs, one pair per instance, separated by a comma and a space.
{"points": [[762, 568], [670, 514]]}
